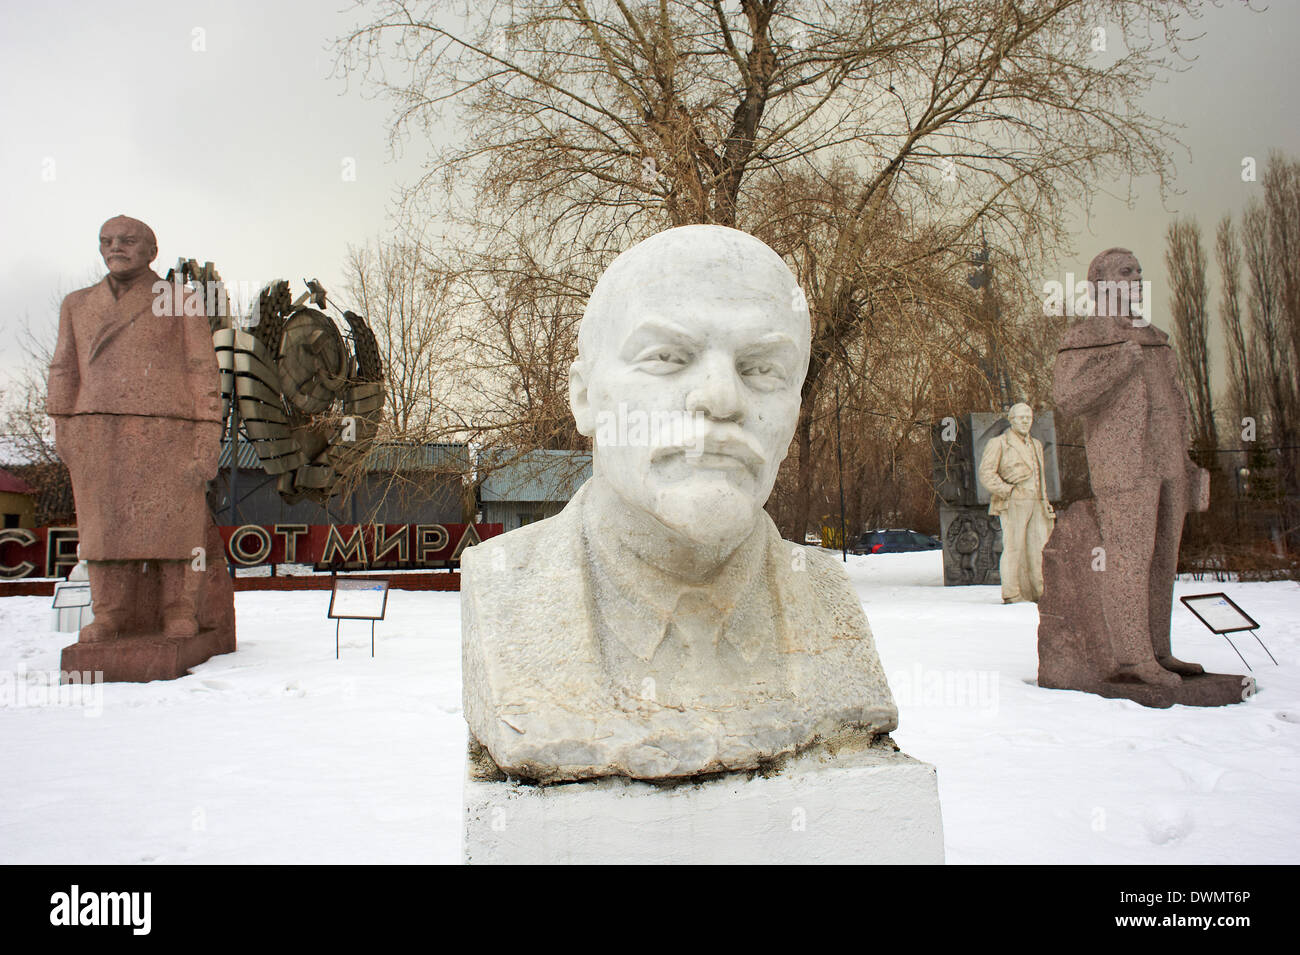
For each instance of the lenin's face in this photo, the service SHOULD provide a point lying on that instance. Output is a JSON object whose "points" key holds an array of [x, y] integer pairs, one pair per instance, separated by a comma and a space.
{"points": [[691, 387], [126, 248]]}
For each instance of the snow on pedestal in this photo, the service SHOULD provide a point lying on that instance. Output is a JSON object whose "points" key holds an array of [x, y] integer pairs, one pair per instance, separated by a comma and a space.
{"points": [[848, 803]]}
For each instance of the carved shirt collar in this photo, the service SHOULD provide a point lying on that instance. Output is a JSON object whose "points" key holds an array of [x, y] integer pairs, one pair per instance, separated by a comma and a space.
{"points": [[638, 602]]}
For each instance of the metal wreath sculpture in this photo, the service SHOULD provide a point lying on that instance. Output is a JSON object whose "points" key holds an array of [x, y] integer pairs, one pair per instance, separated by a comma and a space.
{"points": [[309, 405]]}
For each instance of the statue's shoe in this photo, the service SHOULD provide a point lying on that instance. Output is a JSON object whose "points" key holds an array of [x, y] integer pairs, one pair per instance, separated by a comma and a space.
{"points": [[181, 627], [98, 631], [1175, 665], [1152, 674]]}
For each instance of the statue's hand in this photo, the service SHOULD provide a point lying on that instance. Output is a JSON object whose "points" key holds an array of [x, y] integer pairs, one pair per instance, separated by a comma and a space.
{"points": [[1198, 487], [1017, 474], [1131, 353]]}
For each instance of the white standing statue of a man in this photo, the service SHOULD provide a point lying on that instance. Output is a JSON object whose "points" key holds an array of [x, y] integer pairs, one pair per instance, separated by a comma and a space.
{"points": [[1012, 471], [659, 626]]}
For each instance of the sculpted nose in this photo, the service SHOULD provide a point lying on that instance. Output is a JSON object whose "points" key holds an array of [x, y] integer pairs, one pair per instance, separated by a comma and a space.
{"points": [[716, 392]]}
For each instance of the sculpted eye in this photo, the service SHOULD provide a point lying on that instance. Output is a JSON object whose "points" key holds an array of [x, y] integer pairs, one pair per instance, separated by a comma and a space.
{"points": [[662, 359], [762, 372]]}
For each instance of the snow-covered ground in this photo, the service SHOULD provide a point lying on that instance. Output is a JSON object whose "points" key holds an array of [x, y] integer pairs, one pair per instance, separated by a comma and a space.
{"points": [[279, 753]]}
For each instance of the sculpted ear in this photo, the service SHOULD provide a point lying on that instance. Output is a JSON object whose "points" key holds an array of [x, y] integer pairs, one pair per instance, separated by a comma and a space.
{"points": [[579, 403]]}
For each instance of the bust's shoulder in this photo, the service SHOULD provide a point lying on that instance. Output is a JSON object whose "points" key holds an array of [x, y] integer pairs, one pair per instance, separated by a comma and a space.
{"points": [[525, 538], [523, 557], [829, 637], [820, 558], [825, 570]]}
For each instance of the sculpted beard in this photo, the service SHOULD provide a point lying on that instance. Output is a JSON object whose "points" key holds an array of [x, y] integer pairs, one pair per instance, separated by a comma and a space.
{"points": [[710, 488]]}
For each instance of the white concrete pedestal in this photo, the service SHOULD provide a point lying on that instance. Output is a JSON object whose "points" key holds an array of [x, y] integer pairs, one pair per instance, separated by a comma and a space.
{"points": [[848, 803]]}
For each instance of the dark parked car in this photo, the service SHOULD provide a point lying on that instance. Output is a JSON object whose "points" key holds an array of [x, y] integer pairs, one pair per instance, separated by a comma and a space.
{"points": [[894, 542]]}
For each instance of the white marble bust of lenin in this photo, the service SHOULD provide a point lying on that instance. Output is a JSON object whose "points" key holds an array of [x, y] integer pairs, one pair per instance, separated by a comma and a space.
{"points": [[659, 626]]}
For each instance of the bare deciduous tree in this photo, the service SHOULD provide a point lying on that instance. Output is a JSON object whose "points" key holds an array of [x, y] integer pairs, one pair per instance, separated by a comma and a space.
{"points": [[27, 429], [1236, 334], [1189, 295], [600, 122], [1264, 303], [407, 300]]}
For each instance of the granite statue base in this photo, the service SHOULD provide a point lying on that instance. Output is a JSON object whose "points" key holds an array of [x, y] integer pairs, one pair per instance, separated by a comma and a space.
{"points": [[849, 802], [147, 657], [1206, 689]]}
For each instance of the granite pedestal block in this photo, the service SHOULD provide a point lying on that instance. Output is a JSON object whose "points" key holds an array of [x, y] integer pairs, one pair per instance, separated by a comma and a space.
{"points": [[141, 659]]}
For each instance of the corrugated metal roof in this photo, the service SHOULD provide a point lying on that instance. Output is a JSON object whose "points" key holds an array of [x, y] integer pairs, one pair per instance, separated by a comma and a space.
{"points": [[448, 457], [248, 460], [534, 475]]}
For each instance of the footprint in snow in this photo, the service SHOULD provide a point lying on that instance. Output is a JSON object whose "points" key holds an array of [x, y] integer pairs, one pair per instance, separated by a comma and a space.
{"points": [[1168, 825]]}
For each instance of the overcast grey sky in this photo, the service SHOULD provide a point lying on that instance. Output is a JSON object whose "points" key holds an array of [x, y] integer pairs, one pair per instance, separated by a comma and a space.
{"points": [[235, 152]]}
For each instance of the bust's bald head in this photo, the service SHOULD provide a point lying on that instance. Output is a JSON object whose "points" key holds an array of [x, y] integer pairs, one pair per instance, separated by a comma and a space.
{"points": [[660, 264], [128, 246], [691, 356]]}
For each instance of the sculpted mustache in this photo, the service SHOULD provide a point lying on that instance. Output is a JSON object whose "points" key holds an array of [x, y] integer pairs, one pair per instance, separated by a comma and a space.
{"points": [[730, 446]]}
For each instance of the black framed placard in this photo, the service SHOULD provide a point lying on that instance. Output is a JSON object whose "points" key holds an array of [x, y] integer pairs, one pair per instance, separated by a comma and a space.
{"points": [[71, 596], [358, 598], [1221, 615]]}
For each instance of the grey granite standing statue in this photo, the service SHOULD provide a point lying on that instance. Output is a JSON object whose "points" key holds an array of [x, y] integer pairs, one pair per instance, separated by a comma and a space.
{"points": [[1109, 567]]}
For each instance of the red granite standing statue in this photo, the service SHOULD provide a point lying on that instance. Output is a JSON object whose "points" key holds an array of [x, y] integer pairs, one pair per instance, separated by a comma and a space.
{"points": [[1109, 566], [134, 394]]}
